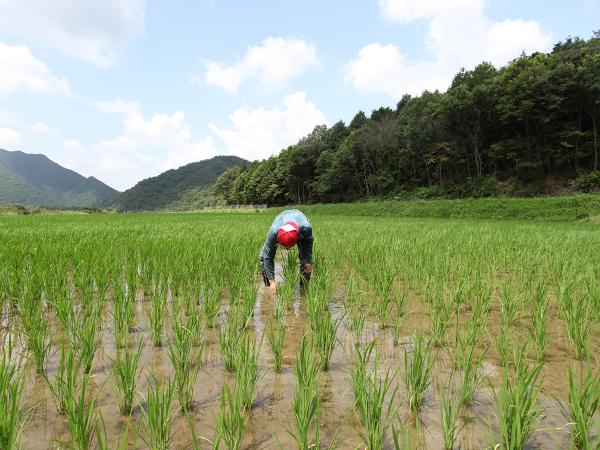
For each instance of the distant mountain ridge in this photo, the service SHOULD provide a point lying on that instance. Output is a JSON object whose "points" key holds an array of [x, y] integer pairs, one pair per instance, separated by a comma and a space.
{"points": [[35, 180], [185, 188]]}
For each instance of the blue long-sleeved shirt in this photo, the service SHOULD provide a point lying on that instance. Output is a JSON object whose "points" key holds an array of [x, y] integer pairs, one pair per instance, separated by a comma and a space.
{"points": [[305, 240]]}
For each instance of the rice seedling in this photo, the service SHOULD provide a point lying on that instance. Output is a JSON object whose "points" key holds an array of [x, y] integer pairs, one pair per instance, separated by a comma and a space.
{"points": [[212, 303], [121, 442], [123, 313], [248, 373], [157, 418], [88, 341], [370, 391], [229, 340], [81, 415], [400, 301], [577, 312], [384, 280], [66, 379], [465, 359], [276, 337], [180, 350], [508, 306], [517, 403], [418, 368], [449, 411], [39, 341], [157, 312], [538, 333], [441, 316], [325, 330], [307, 400], [583, 402], [12, 414], [231, 422], [403, 438], [125, 368], [503, 344]]}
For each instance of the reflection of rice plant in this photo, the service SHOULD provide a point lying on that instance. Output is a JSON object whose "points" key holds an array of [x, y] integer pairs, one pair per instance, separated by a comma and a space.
{"points": [[517, 403], [306, 402], [231, 422], [247, 371], [584, 399], [12, 381], [124, 372], [370, 391], [157, 418], [418, 368]]}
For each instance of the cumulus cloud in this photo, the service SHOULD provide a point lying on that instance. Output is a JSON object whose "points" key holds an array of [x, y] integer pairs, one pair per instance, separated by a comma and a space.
{"points": [[150, 144], [9, 138], [72, 145], [91, 30], [259, 133], [458, 35], [20, 70], [273, 63]]}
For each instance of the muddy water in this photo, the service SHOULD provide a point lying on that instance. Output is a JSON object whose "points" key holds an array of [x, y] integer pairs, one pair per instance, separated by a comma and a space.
{"points": [[271, 413]]}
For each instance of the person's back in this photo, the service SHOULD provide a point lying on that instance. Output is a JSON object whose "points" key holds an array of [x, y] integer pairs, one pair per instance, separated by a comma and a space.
{"points": [[289, 228]]}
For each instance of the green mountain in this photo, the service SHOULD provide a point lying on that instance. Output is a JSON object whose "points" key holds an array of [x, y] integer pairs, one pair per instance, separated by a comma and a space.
{"points": [[188, 187], [35, 180]]}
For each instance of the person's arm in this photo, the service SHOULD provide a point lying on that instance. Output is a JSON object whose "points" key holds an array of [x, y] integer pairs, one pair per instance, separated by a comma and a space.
{"points": [[305, 247], [267, 255]]}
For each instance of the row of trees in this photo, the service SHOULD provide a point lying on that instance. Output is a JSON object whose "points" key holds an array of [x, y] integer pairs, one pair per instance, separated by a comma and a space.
{"points": [[538, 115]]}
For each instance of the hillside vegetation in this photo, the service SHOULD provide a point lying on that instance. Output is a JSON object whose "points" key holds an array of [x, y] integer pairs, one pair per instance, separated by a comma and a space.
{"points": [[188, 187], [29, 179], [494, 131]]}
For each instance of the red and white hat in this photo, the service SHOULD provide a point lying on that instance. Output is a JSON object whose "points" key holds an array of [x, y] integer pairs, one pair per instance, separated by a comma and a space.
{"points": [[288, 234]]}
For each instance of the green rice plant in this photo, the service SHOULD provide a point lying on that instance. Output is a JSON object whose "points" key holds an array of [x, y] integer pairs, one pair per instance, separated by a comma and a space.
{"points": [[229, 339], [418, 368], [88, 341], [307, 400], [121, 442], [400, 301], [508, 306], [158, 311], [123, 313], [403, 438], [180, 351], [370, 391], [449, 411], [39, 341], [325, 330], [12, 414], [384, 280], [579, 324], [276, 337], [81, 415], [212, 303], [248, 372], [231, 422], [593, 292], [441, 316], [538, 333], [465, 359], [157, 418], [358, 319], [66, 379], [503, 344], [584, 400], [517, 403], [125, 368]]}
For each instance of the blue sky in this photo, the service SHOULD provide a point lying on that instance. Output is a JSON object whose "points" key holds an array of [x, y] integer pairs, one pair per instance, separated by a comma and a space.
{"points": [[123, 90]]}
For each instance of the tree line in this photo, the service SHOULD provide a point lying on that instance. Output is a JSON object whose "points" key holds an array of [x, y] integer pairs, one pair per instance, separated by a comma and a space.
{"points": [[537, 116]]}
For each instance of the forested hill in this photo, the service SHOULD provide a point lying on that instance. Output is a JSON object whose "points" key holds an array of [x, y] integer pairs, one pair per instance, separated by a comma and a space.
{"points": [[29, 179], [187, 187], [507, 130]]}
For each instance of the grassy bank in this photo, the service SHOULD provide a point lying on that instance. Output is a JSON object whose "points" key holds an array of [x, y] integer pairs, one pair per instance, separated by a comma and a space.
{"points": [[567, 208]]}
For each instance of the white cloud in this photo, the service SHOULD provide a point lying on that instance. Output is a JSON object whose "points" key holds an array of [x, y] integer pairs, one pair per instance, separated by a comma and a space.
{"points": [[20, 70], [9, 138], [458, 35], [274, 62], [259, 133], [72, 145], [44, 128], [91, 30]]}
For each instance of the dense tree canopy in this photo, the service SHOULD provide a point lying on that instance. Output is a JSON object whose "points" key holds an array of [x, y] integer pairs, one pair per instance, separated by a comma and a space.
{"points": [[537, 116]]}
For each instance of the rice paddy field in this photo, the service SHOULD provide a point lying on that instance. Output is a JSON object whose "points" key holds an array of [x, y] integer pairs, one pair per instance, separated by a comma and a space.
{"points": [[154, 331]]}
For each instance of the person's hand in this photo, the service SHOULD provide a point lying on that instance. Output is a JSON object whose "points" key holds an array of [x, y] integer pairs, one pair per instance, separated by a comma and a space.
{"points": [[273, 286], [308, 268]]}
